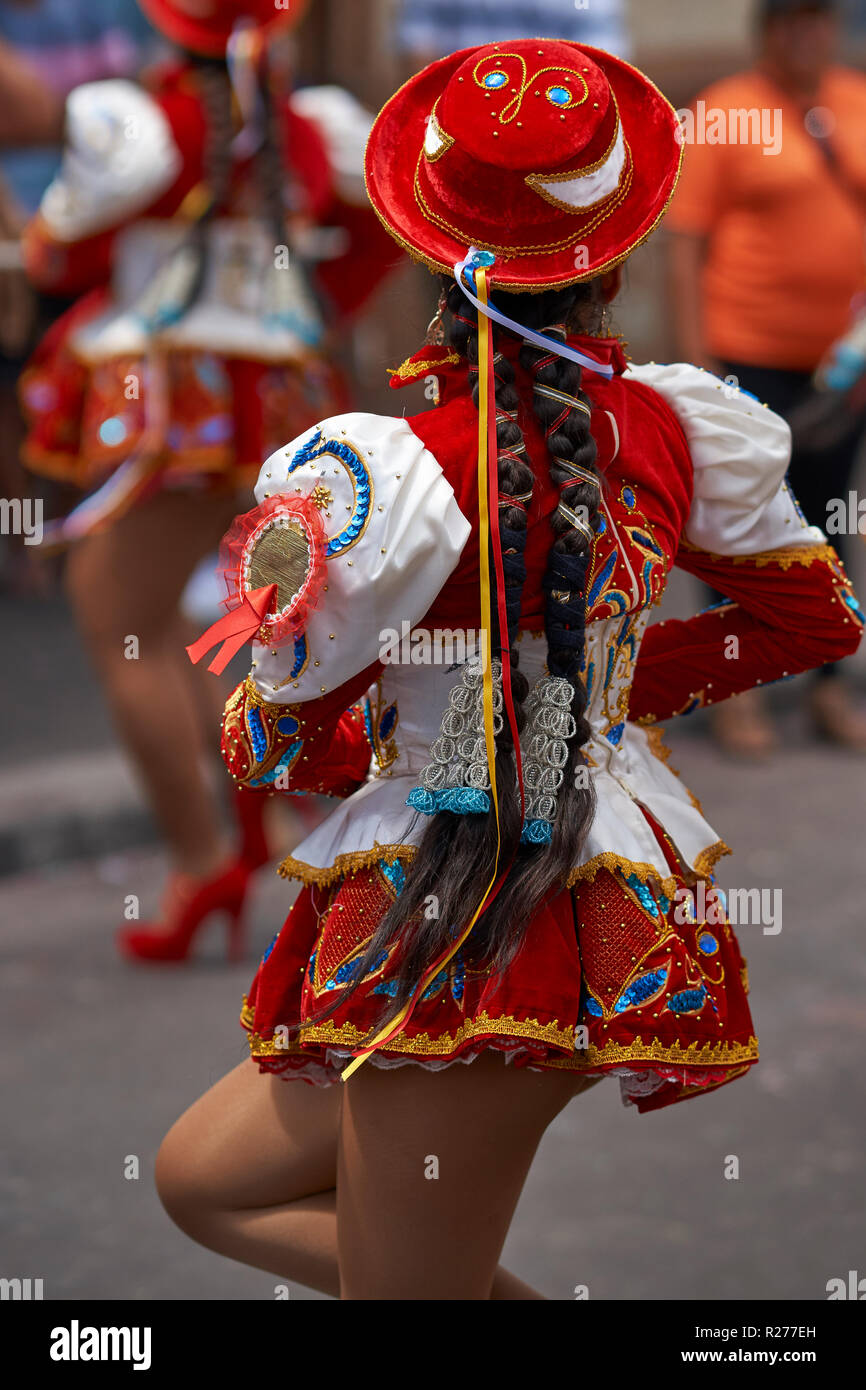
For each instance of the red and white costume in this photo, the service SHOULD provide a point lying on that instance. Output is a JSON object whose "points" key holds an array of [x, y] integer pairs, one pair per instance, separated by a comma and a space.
{"points": [[117, 210], [693, 477]]}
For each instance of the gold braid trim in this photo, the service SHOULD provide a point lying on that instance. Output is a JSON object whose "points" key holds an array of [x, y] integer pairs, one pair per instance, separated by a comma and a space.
{"points": [[659, 749], [612, 861], [785, 556], [256, 698], [346, 1035], [409, 369], [344, 864], [442, 1045], [695, 1055], [702, 867], [708, 858]]}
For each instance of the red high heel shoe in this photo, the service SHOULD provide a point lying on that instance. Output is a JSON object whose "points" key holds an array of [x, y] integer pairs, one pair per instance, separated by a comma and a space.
{"points": [[225, 892]]}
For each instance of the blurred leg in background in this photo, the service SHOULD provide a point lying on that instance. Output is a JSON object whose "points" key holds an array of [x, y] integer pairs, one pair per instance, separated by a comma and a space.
{"points": [[125, 586]]}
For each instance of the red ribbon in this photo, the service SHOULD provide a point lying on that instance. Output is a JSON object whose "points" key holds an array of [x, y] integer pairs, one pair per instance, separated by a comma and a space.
{"points": [[234, 630]]}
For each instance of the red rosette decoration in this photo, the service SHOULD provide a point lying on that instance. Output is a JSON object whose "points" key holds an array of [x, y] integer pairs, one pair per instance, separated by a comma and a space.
{"points": [[273, 563], [280, 543]]}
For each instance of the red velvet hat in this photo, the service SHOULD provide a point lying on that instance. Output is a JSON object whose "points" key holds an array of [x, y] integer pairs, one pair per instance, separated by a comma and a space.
{"points": [[558, 158], [205, 26]]}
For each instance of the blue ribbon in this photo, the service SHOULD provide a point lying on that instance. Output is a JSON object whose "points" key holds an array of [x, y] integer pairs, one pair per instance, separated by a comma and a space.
{"points": [[475, 258]]}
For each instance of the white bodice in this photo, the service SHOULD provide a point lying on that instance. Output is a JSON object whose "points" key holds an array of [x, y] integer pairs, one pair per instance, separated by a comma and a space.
{"points": [[627, 771]]}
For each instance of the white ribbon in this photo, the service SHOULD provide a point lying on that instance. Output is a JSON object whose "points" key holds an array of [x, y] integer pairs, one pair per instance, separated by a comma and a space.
{"points": [[539, 340]]}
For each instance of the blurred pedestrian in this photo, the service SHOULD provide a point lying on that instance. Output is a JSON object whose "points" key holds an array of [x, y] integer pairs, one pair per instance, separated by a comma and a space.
{"points": [[770, 219], [206, 221], [427, 29]]}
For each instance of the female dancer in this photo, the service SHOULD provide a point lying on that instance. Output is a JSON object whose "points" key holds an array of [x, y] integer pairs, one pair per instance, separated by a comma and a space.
{"points": [[515, 882], [197, 197]]}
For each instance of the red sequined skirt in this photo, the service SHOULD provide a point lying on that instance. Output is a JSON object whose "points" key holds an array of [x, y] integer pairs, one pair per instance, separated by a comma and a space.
{"points": [[615, 977], [223, 415]]}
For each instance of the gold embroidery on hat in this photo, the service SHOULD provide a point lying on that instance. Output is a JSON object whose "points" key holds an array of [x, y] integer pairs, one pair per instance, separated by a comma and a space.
{"points": [[525, 83], [539, 182], [542, 248], [435, 133]]}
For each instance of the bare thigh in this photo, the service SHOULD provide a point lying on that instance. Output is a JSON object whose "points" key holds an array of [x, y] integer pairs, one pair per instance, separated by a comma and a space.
{"points": [[252, 1141], [431, 1166], [129, 577]]}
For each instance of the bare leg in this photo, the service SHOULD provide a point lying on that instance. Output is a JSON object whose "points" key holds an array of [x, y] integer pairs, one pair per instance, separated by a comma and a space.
{"points": [[126, 583], [404, 1234], [250, 1171]]}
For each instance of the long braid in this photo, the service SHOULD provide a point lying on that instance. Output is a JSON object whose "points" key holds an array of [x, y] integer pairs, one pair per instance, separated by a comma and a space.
{"points": [[178, 283], [572, 460], [456, 852], [294, 300], [515, 479], [271, 158], [216, 96]]}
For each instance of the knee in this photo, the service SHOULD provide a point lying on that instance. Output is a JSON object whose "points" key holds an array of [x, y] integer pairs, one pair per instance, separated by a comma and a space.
{"points": [[179, 1187]]}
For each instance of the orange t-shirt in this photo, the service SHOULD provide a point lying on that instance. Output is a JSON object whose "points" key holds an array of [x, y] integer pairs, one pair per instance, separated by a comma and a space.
{"points": [[785, 233]]}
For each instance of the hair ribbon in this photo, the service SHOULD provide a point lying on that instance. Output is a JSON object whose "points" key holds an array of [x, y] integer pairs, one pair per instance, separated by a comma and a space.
{"points": [[476, 260], [489, 549]]}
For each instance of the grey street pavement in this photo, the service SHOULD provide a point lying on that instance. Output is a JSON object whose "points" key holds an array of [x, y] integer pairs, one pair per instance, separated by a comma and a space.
{"points": [[98, 1058]]}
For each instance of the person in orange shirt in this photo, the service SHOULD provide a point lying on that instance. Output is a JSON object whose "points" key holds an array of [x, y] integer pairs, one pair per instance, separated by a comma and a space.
{"points": [[768, 254]]}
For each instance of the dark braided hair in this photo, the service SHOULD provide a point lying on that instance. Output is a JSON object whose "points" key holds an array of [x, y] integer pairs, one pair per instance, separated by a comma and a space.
{"points": [[269, 165], [455, 857], [216, 97], [271, 159]]}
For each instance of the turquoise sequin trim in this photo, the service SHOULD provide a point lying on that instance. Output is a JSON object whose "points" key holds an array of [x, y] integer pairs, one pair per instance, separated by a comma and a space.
{"points": [[395, 874], [462, 800], [536, 832], [643, 894], [851, 601], [285, 761]]}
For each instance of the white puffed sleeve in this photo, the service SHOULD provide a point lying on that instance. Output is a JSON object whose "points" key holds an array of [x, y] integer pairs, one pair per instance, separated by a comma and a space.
{"points": [[120, 156], [395, 533], [344, 126], [740, 451]]}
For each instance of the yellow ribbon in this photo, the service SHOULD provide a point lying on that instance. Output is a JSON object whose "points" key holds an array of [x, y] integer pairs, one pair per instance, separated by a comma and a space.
{"points": [[485, 352]]}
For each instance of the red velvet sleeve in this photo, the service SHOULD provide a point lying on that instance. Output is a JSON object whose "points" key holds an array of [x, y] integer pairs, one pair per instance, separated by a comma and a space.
{"points": [[318, 746], [787, 611]]}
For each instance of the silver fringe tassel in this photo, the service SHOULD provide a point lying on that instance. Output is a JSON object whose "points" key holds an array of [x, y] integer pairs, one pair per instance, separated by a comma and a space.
{"points": [[457, 777], [549, 726]]}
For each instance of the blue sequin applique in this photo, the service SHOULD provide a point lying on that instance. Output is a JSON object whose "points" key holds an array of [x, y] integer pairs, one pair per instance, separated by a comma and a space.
{"points": [[362, 484], [641, 990], [689, 1001], [258, 737]]}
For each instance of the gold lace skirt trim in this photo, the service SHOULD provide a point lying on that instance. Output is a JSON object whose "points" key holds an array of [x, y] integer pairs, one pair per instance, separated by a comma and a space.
{"points": [[346, 1035], [344, 864]]}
